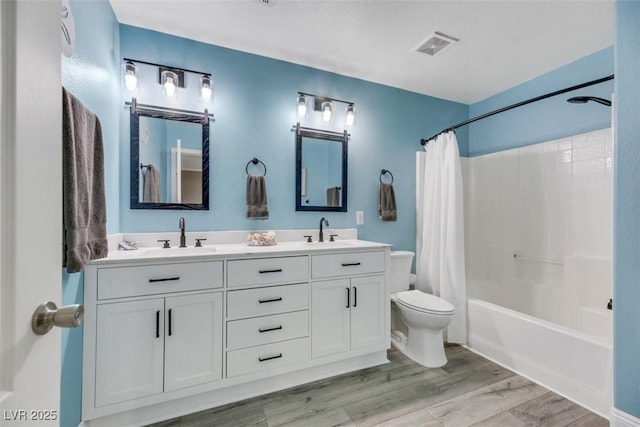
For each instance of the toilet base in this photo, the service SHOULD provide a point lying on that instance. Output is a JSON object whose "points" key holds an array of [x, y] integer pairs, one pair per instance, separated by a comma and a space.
{"points": [[423, 346]]}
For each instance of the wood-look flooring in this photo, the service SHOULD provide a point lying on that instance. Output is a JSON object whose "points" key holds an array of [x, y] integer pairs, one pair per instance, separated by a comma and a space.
{"points": [[468, 391]]}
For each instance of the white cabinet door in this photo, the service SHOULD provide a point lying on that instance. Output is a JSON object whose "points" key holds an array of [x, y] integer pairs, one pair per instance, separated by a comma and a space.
{"points": [[367, 312], [330, 328], [129, 350], [193, 340]]}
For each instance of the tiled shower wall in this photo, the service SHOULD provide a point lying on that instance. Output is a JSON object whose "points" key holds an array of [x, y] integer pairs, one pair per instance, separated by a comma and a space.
{"points": [[538, 223]]}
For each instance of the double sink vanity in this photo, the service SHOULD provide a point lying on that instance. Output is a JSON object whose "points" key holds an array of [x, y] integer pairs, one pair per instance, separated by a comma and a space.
{"points": [[177, 330]]}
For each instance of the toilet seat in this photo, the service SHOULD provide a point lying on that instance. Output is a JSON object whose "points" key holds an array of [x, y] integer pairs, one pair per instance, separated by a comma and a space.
{"points": [[425, 303]]}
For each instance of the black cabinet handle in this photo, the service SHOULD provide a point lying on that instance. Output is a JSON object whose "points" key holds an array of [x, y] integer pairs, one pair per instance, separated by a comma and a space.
{"points": [[355, 296], [262, 301], [350, 264], [274, 328], [348, 298], [166, 279], [158, 324], [264, 359], [276, 270], [169, 322]]}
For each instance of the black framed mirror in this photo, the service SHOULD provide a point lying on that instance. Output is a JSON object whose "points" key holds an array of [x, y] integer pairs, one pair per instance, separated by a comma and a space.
{"points": [[321, 170], [169, 158]]}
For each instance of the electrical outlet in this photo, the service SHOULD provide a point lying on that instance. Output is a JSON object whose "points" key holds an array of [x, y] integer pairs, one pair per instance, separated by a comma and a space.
{"points": [[359, 217]]}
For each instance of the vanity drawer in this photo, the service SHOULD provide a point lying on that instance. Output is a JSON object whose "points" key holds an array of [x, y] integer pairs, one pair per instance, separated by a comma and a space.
{"points": [[269, 356], [267, 271], [346, 264], [264, 301], [267, 329], [121, 282]]}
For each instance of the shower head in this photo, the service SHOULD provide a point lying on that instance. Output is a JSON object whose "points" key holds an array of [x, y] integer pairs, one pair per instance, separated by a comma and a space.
{"points": [[585, 99]]}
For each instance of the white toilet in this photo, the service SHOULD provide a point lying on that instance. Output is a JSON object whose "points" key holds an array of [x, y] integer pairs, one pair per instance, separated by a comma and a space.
{"points": [[417, 331]]}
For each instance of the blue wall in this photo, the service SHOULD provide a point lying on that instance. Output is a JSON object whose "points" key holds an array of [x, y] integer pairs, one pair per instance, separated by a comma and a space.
{"points": [[254, 102], [626, 314], [549, 119], [92, 75]]}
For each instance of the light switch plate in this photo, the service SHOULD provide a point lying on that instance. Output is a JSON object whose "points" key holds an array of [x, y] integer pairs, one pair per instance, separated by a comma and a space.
{"points": [[359, 217]]}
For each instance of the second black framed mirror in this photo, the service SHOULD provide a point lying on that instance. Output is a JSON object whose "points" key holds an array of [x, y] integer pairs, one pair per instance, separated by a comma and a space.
{"points": [[321, 170]]}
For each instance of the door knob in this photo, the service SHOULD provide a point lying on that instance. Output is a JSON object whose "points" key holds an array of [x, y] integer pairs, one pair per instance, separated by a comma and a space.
{"points": [[47, 315]]}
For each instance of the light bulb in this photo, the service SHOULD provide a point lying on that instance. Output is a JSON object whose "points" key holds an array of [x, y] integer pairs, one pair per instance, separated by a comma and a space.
{"points": [[351, 115], [130, 78], [326, 111], [302, 106], [169, 87], [205, 89], [170, 79]]}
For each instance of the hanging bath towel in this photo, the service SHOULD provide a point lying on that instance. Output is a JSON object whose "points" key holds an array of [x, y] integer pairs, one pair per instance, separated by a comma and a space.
{"points": [[333, 196], [387, 209], [151, 193], [257, 198], [84, 205]]}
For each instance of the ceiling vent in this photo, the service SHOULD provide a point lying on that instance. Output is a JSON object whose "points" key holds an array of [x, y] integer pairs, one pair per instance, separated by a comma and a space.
{"points": [[436, 43], [270, 3]]}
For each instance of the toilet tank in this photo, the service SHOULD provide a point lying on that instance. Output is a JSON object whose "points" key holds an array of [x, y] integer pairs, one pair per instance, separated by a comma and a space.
{"points": [[400, 270]]}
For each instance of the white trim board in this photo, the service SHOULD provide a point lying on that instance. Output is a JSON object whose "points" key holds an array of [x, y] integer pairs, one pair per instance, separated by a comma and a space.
{"points": [[620, 418]]}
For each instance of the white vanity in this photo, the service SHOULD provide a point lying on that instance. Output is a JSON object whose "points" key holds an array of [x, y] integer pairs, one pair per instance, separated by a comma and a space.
{"points": [[168, 333]]}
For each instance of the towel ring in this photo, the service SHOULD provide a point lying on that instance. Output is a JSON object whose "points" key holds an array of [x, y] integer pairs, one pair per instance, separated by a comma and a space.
{"points": [[142, 166], [255, 162], [385, 171]]}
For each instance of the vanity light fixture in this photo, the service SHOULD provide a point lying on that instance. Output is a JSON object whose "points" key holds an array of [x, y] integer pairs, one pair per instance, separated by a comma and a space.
{"points": [[302, 106], [324, 105], [351, 115], [170, 78], [130, 77], [326, 111], [169, 82], [205, 88]]}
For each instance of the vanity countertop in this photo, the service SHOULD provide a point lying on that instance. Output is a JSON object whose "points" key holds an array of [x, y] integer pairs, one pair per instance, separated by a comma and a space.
{"points": [[235, 249]]}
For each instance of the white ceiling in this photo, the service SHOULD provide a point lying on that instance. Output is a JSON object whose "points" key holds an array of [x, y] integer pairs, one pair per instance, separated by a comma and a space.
{"points": [[502, 43]]}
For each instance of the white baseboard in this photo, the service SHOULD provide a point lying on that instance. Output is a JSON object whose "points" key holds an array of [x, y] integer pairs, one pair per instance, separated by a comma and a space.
{"points": [[619, 418]]}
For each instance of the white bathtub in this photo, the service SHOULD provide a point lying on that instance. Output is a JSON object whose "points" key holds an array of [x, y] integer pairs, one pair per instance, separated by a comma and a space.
{"points": [[568, 362]]}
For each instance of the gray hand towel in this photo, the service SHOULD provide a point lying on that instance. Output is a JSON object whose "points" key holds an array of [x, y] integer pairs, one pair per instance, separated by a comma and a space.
{"points": [[84, 205], [387, 209], [257, 198], [151, 189], [333, 196]]}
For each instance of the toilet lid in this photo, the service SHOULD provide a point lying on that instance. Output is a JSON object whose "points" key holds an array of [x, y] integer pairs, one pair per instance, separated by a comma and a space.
{"points": [[422, 301]]}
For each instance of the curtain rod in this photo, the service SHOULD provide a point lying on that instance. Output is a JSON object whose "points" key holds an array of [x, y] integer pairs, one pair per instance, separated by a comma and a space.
{"points": [[519, 104]]}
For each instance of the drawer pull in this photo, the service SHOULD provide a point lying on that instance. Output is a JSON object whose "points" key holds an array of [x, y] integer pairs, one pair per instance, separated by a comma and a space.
{"points": [[275, 270], [350, 264], [262, 301], [264, 359], [166, 279], [273, 328], [158, 324]]}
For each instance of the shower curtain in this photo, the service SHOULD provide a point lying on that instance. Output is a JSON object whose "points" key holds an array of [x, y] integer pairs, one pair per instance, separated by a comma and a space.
{"points": [[440, 228]]}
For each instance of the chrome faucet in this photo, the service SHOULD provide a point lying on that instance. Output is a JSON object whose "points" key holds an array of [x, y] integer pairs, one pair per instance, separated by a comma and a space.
{"points": [[321, 234], [183, 240]]}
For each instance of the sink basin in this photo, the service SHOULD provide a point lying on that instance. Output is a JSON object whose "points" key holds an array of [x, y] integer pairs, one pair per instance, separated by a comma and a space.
{"points": [[175, 251], [325, 244]]}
